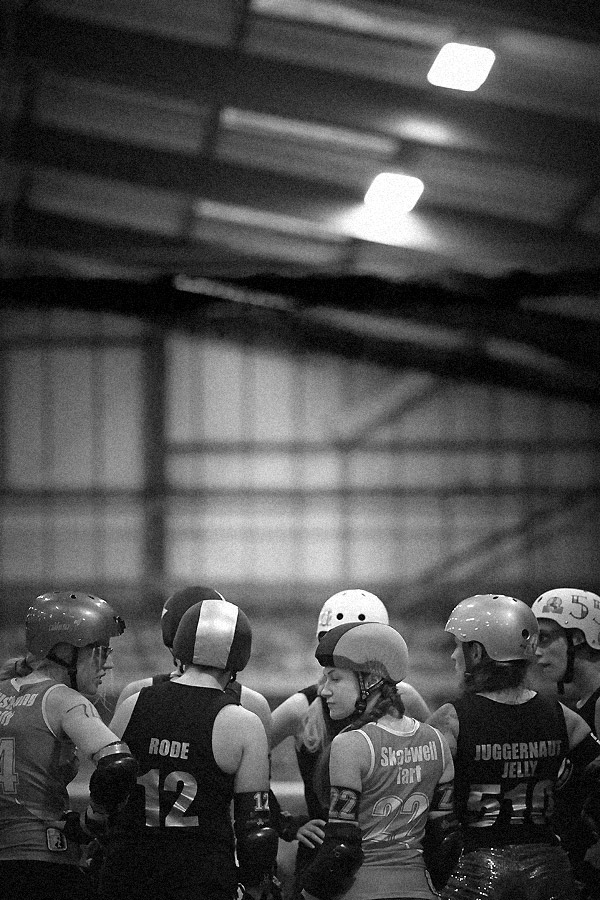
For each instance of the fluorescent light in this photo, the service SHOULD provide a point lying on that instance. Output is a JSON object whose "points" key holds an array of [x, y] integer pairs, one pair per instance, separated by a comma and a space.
{"points": [[461, 66], [393, 194]]}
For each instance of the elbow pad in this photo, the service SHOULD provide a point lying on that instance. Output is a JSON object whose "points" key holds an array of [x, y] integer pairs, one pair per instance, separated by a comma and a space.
{"points": [[114, 777], [256, 839], [339, 858]]}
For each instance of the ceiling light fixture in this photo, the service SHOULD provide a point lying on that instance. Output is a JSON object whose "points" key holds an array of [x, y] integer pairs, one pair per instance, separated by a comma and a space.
{"points": [[393, 194], [462, 67]]}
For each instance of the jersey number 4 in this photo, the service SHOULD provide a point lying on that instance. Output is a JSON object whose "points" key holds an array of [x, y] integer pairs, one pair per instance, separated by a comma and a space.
{"points": [[8, 772]]}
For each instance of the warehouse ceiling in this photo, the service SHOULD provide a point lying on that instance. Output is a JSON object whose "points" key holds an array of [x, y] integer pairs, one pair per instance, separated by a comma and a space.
{"points": [[190, 144]]}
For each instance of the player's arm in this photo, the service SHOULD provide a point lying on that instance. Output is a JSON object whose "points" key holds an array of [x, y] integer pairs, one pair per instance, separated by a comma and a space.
{"points": [[583, 767], [445, 719], [287, 718], [115, 774], [134, 687], [258, 704], [414, 704], [442, 844], [340, 855], [240, 747]]}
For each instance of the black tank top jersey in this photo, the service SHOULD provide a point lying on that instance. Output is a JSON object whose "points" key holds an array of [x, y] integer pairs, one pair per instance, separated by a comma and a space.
{"points": [[507, 761], [306, 765], [181, 791], [588, 710], [233, 689]]}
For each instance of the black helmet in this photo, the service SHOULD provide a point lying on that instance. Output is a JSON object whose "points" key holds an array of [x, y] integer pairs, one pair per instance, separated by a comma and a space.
{"points": [[180, 602], [214, 633]]}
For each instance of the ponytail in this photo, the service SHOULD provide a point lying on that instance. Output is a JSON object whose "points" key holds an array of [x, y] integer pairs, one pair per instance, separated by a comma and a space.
{"points": [[15, 667]]}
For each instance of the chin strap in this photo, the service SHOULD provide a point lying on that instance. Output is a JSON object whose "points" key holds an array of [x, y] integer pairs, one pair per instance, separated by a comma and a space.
{"points": [[568, 674], [365, 690], [71, 666]]}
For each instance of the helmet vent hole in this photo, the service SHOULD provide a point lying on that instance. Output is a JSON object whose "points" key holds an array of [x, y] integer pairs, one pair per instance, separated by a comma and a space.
{"points": [[362, 617], [340, 616]]}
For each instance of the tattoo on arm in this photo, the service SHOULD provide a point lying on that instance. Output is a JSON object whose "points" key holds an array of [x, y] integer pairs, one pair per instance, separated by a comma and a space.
{"points": [[89, 711]]}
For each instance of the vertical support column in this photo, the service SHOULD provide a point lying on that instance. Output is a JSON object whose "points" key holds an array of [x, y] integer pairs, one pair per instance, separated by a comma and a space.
{"points": [[154, 431]]}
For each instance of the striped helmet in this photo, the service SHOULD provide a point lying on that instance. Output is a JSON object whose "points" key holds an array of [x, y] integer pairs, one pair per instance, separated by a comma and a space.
{"points": [[214, 633], [180, 602]]}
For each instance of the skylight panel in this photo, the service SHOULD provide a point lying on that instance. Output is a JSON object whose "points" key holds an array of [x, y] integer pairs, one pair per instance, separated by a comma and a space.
{"points": [[461, 67]]}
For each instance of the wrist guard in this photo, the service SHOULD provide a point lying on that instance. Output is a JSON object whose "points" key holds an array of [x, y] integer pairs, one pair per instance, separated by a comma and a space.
{"points": [[113, 779], [285, 824], [256, 839], [339, 858]]}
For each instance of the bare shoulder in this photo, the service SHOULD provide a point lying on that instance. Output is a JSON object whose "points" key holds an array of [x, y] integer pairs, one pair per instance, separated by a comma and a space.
{"points": [[577, 727], [258, 704], [288, 717], [134, 687], [414, 704], [445, 720], [63, 699], [350, 759], [239, 717]]}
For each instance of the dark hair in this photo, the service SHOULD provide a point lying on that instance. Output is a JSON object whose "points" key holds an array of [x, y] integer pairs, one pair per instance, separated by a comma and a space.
{"points": [[492, 675], [388, 699]]}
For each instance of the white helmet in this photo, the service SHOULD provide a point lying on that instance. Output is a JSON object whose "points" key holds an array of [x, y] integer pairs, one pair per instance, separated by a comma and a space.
{"points": [[572, 608], [351, 606]]}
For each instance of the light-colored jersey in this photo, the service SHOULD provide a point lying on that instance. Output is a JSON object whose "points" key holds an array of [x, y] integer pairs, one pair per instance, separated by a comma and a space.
{"points": [[35, 768], [394, 807]]}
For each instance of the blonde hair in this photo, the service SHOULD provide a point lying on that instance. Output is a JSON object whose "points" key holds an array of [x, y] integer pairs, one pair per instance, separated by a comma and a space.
{"points": [[315, 733]]}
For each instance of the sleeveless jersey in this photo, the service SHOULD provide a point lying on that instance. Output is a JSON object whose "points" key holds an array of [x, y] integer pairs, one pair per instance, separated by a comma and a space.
{"points": [[587, 710], [233, 689], [35, 769], [180, 784], [394, 807], [574, 833], [506, 766], [175, 830]]}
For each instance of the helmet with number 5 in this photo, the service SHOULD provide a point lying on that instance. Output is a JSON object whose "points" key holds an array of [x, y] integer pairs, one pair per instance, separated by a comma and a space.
{"points": [[572, 608], [504, 626], [350, 606], [69, 617]]}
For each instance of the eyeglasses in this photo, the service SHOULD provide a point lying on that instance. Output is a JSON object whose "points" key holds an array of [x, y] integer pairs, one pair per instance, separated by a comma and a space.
{"points": [[546, 638], [103, 652]]}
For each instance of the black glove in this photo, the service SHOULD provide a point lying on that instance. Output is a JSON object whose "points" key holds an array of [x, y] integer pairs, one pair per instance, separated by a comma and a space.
{"points": [[73, 830]]}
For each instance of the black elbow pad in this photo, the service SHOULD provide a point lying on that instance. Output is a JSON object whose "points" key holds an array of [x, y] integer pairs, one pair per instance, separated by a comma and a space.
{"points": [[339, 858], [256, 838], [114, 777]]}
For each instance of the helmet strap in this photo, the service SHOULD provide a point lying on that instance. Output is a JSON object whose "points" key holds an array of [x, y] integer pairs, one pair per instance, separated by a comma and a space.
{"points": [[70, 666], [568, 674], [365, 692]]}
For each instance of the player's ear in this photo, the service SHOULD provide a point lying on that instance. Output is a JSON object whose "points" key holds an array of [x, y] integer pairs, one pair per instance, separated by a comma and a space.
{"points": [[477, 651]]}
